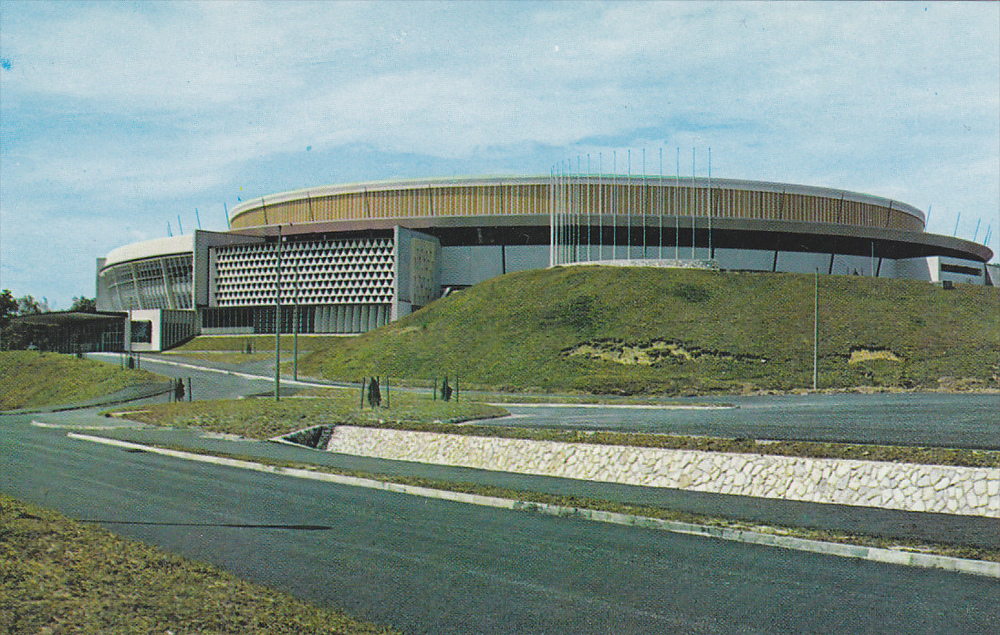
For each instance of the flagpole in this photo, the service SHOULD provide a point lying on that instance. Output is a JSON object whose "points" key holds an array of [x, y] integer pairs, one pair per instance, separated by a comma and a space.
{"points": [[628, 209], [644, 203], [277, 320], [710, 203], [694, 197], [677, 216]]}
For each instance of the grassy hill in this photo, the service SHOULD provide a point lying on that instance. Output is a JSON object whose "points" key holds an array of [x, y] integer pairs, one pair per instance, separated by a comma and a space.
{"points": [[30, 380], [630, 331]]}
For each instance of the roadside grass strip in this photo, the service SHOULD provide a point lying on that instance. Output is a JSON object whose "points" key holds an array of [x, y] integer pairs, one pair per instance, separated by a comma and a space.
{"points": [[845, 548]]}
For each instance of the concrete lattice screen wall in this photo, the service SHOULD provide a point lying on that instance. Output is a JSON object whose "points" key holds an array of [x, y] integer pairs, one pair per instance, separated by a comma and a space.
{"points": [[358, 271], [903, 486]]}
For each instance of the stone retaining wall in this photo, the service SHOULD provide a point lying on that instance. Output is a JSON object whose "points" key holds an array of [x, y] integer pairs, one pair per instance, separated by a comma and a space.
{"points": [[905, 486]]}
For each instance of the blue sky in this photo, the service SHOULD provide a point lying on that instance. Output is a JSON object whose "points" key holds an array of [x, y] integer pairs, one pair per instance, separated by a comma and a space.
{"points": [[115, 118]]}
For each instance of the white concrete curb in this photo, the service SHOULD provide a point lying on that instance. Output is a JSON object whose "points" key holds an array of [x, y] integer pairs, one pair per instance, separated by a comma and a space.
{"points": [[874, 554], [76, 426], [233, 373], [618, 406]]}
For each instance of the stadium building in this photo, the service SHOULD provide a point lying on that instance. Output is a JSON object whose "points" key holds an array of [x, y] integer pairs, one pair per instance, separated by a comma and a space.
{"points": [[354, 257]]}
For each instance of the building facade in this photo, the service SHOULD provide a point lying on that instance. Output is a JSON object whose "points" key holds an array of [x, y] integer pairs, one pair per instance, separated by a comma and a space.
{"points": [[354, 257]]}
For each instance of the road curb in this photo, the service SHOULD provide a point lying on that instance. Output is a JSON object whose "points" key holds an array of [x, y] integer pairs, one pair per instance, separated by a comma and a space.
{"points": [[618, 406], [234, 373], [873, 554]]}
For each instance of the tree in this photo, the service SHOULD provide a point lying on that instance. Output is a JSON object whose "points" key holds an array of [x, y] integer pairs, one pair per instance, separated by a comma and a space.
{"points": [[30, 306], [17, 337], [84, 305], [8, 308]]}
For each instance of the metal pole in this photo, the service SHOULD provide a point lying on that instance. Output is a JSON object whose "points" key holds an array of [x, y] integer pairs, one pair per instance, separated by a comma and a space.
{"points": [[559, 228], [693, 197], [579, 215], [660, 206], [614, 205], [561, 212], [815, 328], [552, 219], [628, 210], [600, 205], [295, 326], [643, 203], [710, 203], [558, 213], [677, 216], [567, 218], [277, 320], [590, 240]]}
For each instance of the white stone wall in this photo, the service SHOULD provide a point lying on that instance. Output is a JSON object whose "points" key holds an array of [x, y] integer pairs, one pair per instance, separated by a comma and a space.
{"points": [[936, 488]]}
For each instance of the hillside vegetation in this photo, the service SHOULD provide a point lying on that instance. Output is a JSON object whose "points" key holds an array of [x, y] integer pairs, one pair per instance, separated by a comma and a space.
{"points": [[30, 380], [631, 331]]}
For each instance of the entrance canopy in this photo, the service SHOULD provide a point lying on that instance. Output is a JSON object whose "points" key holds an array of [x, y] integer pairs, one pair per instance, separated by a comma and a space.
{"points": [[71, 331]]}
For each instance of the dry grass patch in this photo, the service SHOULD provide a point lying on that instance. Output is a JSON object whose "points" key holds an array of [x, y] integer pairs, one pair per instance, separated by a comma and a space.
{"points": [[62, 576]]}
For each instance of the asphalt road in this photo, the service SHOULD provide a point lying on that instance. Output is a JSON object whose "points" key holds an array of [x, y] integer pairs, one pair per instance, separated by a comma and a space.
{"points": [[208, 382], [429, 566], [916, 419], [910, 419], [970, 531]]}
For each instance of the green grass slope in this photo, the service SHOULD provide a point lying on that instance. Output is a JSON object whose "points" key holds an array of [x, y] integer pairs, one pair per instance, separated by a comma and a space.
{"points": [[30, 380], [729, 332]]}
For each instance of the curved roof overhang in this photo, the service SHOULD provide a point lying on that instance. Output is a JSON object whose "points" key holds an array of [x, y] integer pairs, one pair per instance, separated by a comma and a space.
{"points": [[472, 181], [169, 246], [811, 235]]}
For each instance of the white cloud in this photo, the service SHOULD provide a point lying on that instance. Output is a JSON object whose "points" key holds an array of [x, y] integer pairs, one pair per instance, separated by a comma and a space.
{"points": [[119, 107]]}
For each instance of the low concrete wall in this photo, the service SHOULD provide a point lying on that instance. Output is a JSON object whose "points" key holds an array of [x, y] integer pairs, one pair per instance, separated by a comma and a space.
{"points": [[904, 486]]}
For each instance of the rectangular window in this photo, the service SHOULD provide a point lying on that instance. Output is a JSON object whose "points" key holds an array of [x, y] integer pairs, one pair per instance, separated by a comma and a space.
{"points": [[967, 271], [142, 331]]}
